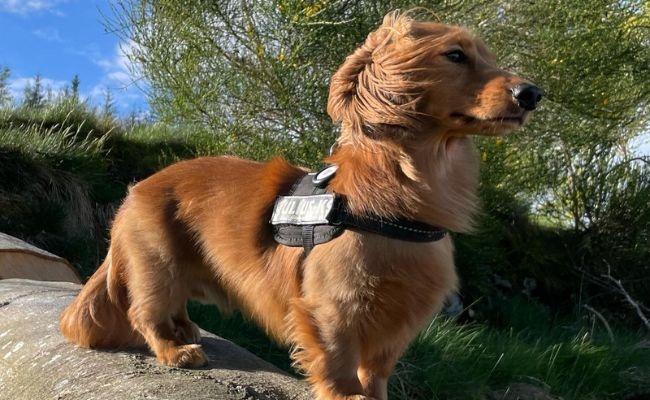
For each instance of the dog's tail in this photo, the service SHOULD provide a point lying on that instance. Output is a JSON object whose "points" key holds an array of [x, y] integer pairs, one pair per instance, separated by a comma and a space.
{"points": [[97, 318]]}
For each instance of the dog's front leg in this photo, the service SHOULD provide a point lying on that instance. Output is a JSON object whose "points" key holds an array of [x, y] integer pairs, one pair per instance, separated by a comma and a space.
{"points": [[375, 370], [327, 352], [374, 384]]}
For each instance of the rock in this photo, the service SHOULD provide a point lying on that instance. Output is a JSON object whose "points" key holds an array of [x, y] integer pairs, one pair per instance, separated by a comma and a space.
{"points": [[19, 259], [522, 391], [454, 306], [36, 362]]}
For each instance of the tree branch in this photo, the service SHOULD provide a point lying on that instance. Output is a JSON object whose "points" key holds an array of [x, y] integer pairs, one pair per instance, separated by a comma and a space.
{"points": [[628, 298]]}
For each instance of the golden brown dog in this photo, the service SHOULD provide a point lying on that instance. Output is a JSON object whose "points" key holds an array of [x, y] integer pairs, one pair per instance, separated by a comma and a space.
{"points": [[407, 100]]}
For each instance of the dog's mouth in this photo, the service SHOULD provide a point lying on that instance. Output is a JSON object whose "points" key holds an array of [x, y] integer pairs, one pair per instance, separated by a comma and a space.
{"points": [[508, 120]]}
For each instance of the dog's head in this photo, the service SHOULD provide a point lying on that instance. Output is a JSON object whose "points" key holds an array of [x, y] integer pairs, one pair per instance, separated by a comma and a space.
{"points": [[412, 77]]}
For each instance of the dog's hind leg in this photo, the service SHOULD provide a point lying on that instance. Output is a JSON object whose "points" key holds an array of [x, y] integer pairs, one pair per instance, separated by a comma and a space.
{"points": [[170, 337], [158, 294]]}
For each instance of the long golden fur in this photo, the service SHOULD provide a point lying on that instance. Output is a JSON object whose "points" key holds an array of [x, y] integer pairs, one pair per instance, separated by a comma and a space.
{"points": [[407, 100]]}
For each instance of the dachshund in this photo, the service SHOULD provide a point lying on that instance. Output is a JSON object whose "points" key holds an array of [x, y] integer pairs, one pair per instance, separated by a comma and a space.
{"points": [[408, 100]]}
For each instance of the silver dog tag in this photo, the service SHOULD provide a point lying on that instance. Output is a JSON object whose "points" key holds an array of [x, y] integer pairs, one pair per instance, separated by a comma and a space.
{"points": [[302, 210]]}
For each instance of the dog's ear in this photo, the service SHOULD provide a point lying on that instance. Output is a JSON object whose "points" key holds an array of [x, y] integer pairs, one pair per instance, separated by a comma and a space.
{"points": [[371, 92]]}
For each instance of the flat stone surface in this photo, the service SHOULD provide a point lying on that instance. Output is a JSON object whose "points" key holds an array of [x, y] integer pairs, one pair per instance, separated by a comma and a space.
{"points": [[36, 362], [19, 259]]}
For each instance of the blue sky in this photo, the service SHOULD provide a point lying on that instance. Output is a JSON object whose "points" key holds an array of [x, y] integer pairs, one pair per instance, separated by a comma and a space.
{"points": [[60, 38]]}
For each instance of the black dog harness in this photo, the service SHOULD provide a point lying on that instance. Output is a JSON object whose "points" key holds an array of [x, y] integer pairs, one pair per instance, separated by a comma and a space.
{"points": [[310, 215]]}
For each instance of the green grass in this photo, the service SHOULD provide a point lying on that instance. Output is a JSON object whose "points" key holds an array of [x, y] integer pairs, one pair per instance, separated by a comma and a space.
{"points": [[469, 362], [58, 116], [451, 361]]}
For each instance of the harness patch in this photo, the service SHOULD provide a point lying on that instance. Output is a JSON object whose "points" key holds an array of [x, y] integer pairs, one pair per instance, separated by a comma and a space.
{"points": [[303, 218], [303, 210]]}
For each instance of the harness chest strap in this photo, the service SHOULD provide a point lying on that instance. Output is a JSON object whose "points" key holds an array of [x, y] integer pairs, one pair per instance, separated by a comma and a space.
{"points": [[310, 215]]}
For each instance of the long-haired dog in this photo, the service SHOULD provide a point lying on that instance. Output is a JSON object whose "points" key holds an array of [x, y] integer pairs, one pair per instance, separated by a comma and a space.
{"points": [[407, 101]]}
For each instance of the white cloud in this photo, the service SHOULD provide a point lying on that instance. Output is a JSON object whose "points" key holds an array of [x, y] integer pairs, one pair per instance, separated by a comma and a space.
{"points": [[49, 34], [121, 78], [24, 7], [117, 67]]}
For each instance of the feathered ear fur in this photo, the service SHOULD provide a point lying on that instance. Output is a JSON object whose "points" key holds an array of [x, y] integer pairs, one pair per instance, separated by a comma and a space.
{"points": [[374, 91]]}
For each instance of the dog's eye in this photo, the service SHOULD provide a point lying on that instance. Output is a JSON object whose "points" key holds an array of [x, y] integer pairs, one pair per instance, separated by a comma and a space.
{"points": [[456, 56]]}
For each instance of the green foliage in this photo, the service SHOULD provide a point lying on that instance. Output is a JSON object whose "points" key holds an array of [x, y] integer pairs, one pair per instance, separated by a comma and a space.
{"points": [[5, 94], [220, 67], [616, 247], [254, 72], [553, 192], [108, 106], [74, 89], [591, 58], [34, 95]]}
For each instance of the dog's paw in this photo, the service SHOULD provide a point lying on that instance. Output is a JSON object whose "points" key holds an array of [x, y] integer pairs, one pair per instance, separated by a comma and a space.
{"points": [[187, 356], [188, 332]]}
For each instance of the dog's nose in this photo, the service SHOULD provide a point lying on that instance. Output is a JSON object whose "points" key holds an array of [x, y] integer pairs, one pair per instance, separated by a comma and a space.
{"points": [[527, 96]]}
